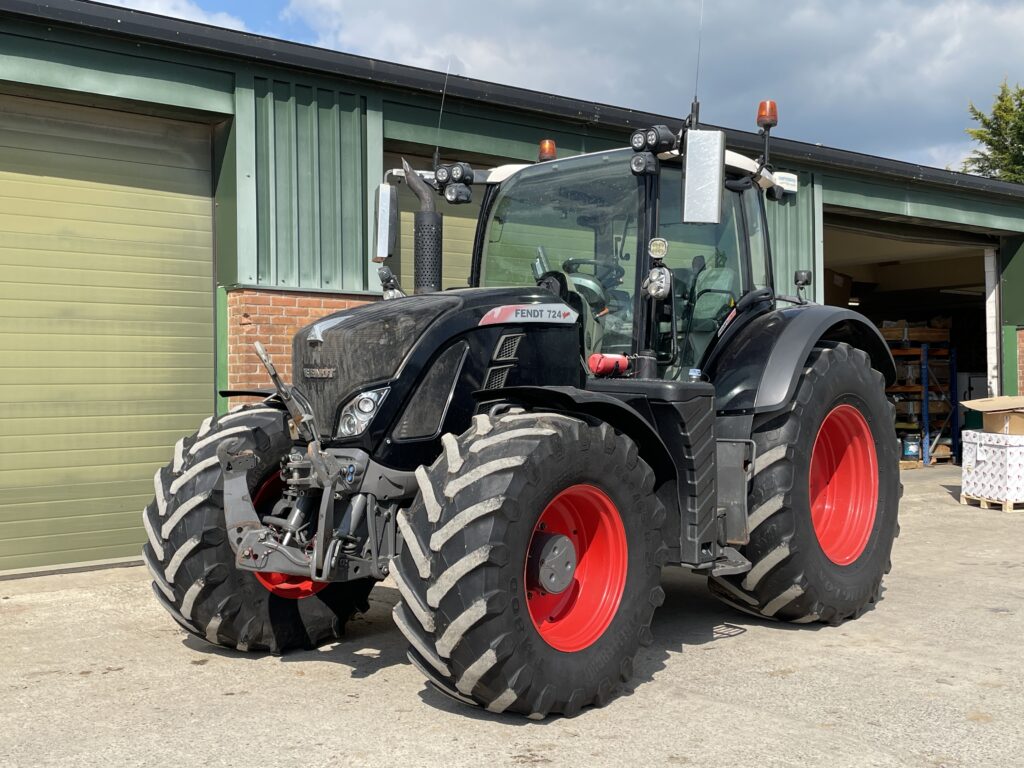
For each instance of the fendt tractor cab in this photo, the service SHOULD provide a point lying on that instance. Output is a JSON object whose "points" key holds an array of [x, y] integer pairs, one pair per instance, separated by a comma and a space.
{"points": [[622, 388]]}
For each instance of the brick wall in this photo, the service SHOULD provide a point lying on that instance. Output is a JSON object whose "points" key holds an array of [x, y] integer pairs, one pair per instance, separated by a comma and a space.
{"points": [[1020, 361], [271, 317]]}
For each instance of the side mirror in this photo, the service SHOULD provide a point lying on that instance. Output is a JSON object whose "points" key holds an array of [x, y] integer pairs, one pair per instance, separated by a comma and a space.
{"points": [[802, 278], [705, 177], [386, 241]]}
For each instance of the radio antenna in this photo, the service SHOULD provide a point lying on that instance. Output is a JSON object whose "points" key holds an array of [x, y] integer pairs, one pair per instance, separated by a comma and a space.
{"points": [[440, 114], [695, 106]]}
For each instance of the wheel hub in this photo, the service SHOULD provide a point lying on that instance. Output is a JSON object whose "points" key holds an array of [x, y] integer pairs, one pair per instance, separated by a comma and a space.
{"points": [[843, 484], [552, 563], [582, 542]]}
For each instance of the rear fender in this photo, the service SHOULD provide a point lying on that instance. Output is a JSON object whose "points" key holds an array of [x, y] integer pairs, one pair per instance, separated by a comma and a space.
{"points": [[758, 370]]}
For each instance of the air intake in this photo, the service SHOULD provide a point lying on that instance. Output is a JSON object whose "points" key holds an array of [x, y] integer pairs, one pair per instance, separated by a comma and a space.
{"points": [[426, 409]]}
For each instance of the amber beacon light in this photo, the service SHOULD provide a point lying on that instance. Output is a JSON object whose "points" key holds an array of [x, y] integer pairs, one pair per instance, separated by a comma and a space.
{"points": [[547, 150], [767, 114]]}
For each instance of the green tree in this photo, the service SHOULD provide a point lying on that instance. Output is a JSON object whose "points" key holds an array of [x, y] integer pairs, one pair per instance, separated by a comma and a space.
{"points": [[1001, 135]]}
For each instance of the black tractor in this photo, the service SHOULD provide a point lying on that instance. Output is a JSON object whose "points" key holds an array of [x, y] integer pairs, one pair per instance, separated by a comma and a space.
{"points": [[622, 388]]}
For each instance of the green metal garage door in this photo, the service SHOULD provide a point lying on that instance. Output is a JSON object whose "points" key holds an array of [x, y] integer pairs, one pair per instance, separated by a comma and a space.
{"points": [[106, 321]]}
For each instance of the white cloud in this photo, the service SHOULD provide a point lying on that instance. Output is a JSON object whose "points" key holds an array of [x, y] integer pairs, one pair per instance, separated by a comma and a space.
{"points": [[182, 9], [887, 78], [949, 156]]}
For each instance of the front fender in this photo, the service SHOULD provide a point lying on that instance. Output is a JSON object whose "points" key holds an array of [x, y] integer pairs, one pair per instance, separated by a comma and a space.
{"points": [[598, 405], [673, 426], [757, 371]]}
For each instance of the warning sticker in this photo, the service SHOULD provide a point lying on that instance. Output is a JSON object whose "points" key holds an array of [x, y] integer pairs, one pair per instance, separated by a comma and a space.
{"points": [[530, 313]]}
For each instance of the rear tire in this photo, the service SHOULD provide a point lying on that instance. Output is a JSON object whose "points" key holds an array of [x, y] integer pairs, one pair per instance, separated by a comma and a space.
{"points": [[818, 545], [192, 564], [468, 609]]}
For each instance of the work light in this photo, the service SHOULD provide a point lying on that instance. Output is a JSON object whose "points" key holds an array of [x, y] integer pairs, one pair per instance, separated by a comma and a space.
{"points": [[643, 163]]}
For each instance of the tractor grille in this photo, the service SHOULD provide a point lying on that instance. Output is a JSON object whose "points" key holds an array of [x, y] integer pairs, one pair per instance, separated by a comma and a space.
{"points": [[506, 351], [507, 347], [422, 416], [497, 376], [336, 357]]}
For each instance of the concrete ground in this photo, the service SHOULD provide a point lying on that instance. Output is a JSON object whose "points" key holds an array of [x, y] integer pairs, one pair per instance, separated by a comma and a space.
{"points": [[95, 674]]}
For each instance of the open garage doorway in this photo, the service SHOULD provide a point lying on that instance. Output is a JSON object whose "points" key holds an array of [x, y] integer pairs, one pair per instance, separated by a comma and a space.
{"points": [[925, 286]]}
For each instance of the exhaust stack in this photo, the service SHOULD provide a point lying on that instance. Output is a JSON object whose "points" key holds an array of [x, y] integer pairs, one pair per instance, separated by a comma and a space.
{"points": [[427, 230]]}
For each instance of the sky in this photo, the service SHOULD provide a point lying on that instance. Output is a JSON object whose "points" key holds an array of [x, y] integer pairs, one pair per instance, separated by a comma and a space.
{"points": [[886, 78]]}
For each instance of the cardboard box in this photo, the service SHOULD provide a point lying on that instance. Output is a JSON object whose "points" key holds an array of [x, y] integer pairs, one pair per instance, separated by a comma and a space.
{"points": [[1000, 415]]}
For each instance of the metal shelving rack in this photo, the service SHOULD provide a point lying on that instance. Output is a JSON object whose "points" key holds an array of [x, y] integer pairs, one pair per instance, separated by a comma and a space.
{"points": [[923, 354]]}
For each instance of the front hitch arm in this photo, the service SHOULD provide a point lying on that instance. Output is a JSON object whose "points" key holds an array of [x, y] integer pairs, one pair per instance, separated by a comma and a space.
{"points": [[240, 515], [298, 408]]}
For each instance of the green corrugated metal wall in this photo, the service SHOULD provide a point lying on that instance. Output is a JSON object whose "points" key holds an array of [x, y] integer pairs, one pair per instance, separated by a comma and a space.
{"points": [[309, 187], [791, 229], [1012, 285]]}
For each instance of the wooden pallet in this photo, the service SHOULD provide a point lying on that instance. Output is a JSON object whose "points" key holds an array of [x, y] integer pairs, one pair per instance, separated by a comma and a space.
{"points": [[911, 464], [947, 459], [1006, 506]]}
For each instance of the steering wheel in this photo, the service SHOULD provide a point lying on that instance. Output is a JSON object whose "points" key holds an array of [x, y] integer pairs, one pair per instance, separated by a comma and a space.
{"points": [[610, 275]]}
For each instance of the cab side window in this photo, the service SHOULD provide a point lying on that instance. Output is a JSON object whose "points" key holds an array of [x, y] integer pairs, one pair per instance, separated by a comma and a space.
{"points": [[759, 272], [708, 271]]}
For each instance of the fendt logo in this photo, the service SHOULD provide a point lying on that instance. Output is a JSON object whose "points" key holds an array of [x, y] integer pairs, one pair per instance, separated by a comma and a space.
{"points": [[320, 373], [530, 313]]}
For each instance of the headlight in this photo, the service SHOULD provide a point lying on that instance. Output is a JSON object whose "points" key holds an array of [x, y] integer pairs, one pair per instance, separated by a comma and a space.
{"points": [[359, 411], [638, 141], [442, 174]]}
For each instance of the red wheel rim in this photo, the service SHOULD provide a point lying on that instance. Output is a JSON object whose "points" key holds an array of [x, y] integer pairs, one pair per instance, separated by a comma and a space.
{"points": [[281, 584], [843, 484], [578, 616]]}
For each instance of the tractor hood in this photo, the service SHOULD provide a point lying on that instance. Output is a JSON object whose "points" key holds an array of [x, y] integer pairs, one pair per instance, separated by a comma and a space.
{"points": [[335, 357], [348, 352]]}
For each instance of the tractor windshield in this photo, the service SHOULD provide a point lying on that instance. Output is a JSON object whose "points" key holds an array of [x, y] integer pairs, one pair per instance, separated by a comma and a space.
{"points": [[578, 219]]}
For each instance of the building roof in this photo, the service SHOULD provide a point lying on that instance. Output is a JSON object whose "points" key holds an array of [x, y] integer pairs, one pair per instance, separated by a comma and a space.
{"points": [[161, 30]]}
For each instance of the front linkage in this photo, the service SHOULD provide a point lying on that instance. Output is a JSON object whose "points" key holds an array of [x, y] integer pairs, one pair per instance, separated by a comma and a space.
{"points": [[301, 537]]}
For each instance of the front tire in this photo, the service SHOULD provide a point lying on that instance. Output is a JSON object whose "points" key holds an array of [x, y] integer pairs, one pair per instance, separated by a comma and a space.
{"points": [[480, 626], [824, 498], [192, 564]]}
